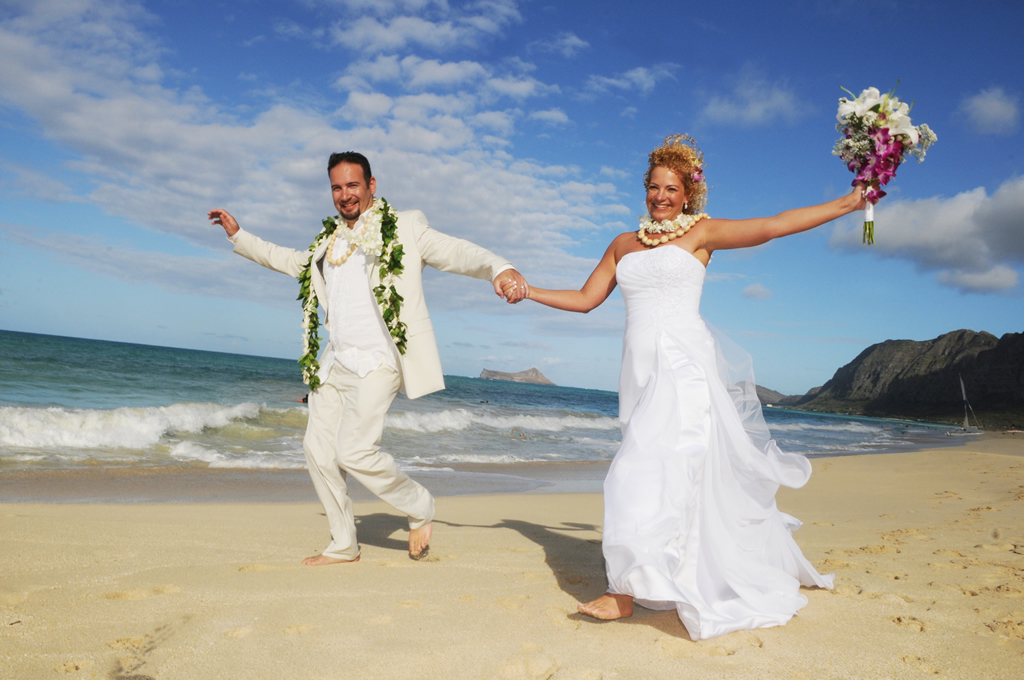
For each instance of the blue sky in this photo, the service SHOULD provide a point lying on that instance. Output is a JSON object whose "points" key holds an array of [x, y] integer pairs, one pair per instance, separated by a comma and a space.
{"points": [[523, 126]]}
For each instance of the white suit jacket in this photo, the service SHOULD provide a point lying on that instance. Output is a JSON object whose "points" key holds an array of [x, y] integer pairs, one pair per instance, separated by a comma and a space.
{"points": [[420, 366]]}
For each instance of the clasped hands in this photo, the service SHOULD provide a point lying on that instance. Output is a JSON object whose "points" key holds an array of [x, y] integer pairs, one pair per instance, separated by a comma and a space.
{"points": [[511, 285]]}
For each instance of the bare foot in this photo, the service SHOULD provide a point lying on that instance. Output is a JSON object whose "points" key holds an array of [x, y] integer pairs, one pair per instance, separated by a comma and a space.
{"points": [[419, 540], [324, 560], [609, 607]]}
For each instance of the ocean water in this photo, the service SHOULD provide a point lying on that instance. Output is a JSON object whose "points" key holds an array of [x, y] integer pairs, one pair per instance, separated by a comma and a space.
{"points": [[68, 403]]}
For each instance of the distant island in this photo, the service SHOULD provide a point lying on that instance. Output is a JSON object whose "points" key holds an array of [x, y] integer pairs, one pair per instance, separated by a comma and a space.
{"points": [[920, 380], [530, 375]]}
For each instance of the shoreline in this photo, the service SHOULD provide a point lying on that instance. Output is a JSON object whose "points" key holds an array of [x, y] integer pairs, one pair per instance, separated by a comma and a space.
{"points": [[927, 549], [197, 484], [244, 485]]}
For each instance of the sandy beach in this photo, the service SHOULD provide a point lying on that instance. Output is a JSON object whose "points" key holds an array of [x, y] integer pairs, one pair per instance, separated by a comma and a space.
{"points": [[927, 548]]}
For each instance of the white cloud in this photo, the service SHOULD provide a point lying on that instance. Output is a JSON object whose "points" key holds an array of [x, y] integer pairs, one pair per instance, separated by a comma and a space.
{"points": [[753, 101], [550, 116], [447, 28], [992, 112], [756, 292], [501, 122], [366, 107], [567, 44], [160, 157], [971, 240], [640, 78], [520, 87], [416, 74], [423, 74]]}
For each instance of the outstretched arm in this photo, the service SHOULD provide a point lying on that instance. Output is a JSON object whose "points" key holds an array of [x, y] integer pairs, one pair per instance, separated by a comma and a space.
{"points": [[726, 234], [272, 256], [224, 219], [595, 291]]}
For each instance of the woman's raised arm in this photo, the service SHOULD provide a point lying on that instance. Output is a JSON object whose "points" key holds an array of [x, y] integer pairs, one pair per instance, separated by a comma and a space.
{"points": [[727, 234], [595, 291]]}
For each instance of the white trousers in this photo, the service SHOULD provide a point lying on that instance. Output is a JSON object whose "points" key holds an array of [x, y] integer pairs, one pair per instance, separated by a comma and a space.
{"points": [[346, 421]]}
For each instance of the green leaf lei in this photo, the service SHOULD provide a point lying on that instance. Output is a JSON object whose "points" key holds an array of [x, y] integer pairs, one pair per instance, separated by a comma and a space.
{"points": [[388, 299]]}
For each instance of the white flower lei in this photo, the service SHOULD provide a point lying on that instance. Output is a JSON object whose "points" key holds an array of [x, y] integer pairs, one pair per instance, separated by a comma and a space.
{"points": [[668, 226], [377, 238]]}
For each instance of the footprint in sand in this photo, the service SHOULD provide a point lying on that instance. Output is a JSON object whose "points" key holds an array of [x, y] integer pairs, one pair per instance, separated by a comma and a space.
{"points": [[1003, 590], [514, 602], [262, 567], [536, 576], [142, 593], [899, 535], [134, 651], [997, 547], [562, 618], [865, 550], [919, 663], [830, 564], [824, 524], [892, 598], [297, 629], [847, 589], [238, 632], [10, 598], [73, 666], [410, 604], [910, 622], [465, 598], [678, 648], [1011, 626], [532, 667]]}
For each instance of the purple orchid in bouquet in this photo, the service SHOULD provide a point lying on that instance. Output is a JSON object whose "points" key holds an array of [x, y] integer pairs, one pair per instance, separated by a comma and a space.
{"points": [[876, 137]]}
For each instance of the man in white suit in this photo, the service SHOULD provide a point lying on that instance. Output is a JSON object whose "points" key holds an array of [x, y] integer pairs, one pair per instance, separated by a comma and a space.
{"points": [[362, 368]]}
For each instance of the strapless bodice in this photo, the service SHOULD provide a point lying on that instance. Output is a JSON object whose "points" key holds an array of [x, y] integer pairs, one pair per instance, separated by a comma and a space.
{"points": [[661, 282]]}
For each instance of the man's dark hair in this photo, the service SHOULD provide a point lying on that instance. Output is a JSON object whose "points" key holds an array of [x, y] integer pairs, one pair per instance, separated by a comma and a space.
{"points": [[353, 157]]}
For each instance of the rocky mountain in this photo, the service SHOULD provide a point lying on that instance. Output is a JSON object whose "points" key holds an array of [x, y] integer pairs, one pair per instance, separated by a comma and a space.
{"points": [[912, 379], [530, 375]]}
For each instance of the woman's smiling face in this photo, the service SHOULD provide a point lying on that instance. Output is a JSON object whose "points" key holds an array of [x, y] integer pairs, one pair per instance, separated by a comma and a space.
{"points": [[666, 195]]}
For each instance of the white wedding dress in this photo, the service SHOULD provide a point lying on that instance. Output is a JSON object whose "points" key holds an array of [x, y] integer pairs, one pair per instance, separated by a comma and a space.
{"points": [[690, 518]]}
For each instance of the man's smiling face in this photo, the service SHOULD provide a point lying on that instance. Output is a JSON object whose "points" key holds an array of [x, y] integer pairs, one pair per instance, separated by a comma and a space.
{"points": [[352, 194]]}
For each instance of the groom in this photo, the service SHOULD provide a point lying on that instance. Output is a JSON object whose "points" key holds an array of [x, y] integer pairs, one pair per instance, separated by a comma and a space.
{"points": [[363, 368]]}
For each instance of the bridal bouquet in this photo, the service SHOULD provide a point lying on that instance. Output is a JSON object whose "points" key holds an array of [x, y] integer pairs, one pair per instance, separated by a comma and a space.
{"points": [[877, 137]]}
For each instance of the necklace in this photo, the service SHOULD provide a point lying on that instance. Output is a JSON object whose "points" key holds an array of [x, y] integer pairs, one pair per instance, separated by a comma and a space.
{"points": [[665, 230], [338, 261]]}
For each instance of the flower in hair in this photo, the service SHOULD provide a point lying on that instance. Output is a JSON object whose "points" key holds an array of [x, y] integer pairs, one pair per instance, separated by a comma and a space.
{"points": [[698, 176]]}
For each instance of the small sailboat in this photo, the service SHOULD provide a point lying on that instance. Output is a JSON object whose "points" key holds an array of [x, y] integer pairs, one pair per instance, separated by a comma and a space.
{"points": [[967, 428]]}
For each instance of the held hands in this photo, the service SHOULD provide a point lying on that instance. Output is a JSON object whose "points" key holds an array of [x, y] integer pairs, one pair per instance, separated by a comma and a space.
{"points": [[224, 219], [511, 285]]}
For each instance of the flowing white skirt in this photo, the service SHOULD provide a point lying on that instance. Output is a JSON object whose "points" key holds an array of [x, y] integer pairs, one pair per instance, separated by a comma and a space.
{"points": [[690, 515]]}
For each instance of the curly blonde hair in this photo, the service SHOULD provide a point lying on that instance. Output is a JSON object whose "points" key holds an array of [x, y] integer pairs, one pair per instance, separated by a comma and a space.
{"points": [[681, 155]]}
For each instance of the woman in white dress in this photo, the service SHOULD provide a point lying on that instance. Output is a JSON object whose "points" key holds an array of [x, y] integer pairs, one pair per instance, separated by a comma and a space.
{"points": [[690, 521]]}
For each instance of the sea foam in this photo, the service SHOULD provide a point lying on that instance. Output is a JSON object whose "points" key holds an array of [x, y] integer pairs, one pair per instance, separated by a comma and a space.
{"points": [[462, 419], [130, 428]]}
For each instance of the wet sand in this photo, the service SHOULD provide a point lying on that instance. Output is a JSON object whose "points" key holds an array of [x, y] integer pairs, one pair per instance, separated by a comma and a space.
{"points": [[927, 548]]}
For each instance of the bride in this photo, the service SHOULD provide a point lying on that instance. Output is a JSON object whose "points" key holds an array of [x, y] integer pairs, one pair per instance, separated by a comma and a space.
{"points": [[690, 521]]}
